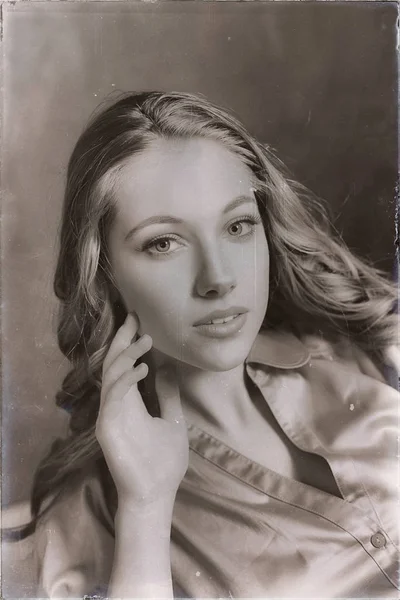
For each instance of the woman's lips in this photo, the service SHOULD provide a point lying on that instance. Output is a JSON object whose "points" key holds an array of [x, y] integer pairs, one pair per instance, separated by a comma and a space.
{"points": [[221, 314], [222, 330]]}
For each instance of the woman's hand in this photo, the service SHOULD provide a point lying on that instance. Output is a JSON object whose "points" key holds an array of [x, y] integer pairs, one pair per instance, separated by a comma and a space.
{"points": [[147, 456]]}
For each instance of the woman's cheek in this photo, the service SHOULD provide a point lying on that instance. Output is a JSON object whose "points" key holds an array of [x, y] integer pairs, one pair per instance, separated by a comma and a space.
{"points": [[159, 305]]}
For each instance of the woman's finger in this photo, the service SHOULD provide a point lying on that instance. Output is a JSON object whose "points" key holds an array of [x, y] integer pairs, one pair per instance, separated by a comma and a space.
{"points": [[126, 360], [112, 407], [122, 339], [168, 395]]}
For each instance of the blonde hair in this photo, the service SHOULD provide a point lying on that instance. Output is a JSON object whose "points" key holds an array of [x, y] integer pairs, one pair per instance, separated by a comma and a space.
{"points": [[317, 284]]}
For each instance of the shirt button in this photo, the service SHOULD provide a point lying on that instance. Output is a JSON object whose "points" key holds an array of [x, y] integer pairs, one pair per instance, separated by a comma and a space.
{"points": [[378, 540]]}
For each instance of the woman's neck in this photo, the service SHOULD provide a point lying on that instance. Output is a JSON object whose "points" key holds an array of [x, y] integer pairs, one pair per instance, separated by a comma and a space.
{"points": [[215, 401]]}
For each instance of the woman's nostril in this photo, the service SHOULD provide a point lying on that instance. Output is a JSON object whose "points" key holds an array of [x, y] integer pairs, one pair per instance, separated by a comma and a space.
{"points": [[213, 282]]}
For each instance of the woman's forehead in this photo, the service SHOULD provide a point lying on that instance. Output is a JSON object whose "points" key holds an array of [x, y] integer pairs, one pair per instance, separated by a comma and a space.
{"points": [[182, 177]]}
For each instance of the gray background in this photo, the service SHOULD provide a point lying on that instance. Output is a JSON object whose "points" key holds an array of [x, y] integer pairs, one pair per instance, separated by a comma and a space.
{"points": [[317, 81]]}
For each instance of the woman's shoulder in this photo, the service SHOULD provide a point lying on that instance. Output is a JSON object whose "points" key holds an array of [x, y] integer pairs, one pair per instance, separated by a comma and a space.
{"points": [[81, 503], [74, 538], [349, 354], [82, 494]]}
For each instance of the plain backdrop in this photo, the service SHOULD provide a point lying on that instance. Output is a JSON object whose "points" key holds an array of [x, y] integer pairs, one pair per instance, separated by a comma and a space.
{"points": [[316, 81]]}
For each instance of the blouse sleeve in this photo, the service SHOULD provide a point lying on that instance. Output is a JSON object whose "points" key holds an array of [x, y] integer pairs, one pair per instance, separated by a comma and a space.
{"points": [[74, 544]]}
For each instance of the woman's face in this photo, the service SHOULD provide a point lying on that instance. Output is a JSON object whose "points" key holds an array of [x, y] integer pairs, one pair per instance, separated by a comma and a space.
{"points": [[187, 241]]}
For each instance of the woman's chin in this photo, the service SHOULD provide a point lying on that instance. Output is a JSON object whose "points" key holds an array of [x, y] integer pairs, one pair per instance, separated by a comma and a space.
{"points": [[223, 366], [218, 357]]}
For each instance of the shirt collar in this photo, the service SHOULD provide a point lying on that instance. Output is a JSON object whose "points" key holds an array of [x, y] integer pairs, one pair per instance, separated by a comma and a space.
{"points": [[279, 349]]}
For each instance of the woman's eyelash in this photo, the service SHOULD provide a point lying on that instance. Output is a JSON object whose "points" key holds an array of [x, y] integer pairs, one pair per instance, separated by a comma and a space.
{"points": [[254, 219], [151, 243]]}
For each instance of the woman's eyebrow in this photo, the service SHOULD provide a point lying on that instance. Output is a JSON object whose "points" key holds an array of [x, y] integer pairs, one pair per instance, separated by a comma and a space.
{"points": [[151, 221], [168, 219], [238, 202]]}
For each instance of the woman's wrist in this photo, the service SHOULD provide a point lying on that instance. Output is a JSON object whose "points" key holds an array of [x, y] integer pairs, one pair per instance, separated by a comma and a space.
{"points": [[155, 514], [142, 566]]}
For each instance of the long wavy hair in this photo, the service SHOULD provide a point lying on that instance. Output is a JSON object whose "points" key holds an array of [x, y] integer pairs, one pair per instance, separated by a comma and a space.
{"points": [[316, 284]]}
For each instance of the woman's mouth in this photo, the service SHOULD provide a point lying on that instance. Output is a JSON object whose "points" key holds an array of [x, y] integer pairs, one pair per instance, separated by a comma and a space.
{"points": [[218, 321], [222, 327]]}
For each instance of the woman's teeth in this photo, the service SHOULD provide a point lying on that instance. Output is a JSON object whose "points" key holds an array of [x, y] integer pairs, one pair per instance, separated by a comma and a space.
{"points": [[217, 321]]}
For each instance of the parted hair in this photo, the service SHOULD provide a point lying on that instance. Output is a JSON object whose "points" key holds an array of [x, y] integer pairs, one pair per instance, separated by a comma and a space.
{"points": [[317, 286]]}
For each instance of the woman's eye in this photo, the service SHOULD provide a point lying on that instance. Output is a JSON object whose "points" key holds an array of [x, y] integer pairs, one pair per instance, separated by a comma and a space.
{"points": [[243, 227], [164, 245]]}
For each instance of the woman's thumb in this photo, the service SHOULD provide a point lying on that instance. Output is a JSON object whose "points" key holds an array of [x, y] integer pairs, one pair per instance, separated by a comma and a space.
{"points": [[168, 394]]}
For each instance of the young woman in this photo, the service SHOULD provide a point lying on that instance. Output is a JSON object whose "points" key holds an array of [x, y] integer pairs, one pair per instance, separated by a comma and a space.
{"points": [[232, 432]]}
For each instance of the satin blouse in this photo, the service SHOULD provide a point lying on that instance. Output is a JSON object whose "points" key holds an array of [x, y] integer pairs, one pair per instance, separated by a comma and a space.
{"points": [[240, 529]]}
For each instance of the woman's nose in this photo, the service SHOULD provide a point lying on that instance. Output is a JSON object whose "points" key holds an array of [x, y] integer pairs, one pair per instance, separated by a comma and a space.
{"points": [[215, 278]]}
